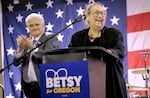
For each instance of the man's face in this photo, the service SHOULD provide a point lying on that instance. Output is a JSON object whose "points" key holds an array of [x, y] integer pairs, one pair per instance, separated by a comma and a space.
{"points": [[35, 27]]}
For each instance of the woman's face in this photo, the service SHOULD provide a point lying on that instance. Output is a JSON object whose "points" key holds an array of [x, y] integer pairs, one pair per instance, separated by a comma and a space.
{"points": [[96, 17]]}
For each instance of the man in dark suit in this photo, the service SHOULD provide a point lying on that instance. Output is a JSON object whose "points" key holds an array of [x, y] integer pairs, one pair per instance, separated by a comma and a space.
{"points": [[30, 70]]}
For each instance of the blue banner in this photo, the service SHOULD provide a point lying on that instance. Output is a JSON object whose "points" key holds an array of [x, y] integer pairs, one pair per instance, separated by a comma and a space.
{"points": [[67, 79]]}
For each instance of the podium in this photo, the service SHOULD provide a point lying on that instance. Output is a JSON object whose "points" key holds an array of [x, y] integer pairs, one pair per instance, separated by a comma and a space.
{"points": [[96, 58]]}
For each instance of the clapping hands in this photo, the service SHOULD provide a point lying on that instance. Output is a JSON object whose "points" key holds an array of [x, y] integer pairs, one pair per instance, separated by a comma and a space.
{"points": [[24, 42]]}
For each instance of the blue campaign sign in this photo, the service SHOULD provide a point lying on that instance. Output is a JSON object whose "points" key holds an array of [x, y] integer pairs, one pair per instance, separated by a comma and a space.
{"points": [[65, 80]]}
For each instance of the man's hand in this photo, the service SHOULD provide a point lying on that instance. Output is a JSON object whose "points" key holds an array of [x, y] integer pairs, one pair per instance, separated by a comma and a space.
{"points": [[23, 43]]}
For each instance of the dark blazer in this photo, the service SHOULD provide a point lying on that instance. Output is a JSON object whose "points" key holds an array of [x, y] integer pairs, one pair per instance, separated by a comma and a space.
{"points": [[112, 39], [48, 45]]}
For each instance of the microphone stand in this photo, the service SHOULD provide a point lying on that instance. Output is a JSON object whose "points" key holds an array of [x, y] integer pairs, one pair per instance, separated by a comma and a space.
{"points": [[21, 59], [146, 78]]}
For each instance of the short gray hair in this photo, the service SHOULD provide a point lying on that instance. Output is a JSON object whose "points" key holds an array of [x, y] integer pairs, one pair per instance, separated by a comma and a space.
{"points": [[89, 6], [34, 15]]}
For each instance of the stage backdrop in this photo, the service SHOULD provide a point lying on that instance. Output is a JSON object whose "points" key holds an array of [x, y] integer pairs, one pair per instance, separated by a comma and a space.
{"points": [[57, 14], [138, 12]]}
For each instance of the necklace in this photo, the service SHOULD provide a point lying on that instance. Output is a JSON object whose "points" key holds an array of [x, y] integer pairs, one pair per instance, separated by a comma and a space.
{"points": [[93, 35], [91, 39]]}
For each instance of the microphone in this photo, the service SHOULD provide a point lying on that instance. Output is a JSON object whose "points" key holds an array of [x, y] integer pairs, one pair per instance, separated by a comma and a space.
{"points": [[82, 17]]}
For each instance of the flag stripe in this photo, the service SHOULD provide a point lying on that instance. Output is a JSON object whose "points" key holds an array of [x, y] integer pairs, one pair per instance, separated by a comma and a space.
{"points": [[138, 40], [136, 59], [139, 22], [137, 7]]}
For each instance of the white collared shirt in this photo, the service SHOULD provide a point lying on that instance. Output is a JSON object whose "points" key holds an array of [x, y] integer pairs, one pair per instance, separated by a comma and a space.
{"points": [[31, 76]]}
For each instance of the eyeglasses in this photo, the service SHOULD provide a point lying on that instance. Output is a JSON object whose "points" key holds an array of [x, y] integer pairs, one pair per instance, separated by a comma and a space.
{"points": [[96, 13]]}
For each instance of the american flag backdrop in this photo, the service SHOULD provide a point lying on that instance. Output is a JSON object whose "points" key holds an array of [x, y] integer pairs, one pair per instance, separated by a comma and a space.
{"points": [[138, 39], [58, 14]]}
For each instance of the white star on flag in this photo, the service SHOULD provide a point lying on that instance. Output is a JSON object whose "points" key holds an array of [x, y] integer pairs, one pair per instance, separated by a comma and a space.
{"points": [[68, 23], [69, 2], [10, 96], [29, 6], [49, 27], [49, 3], [27, 29], [80, 11], [114, 20], [19, 18], [59, 13], [18, 86], [10, 29], [10, 51], [105, 8], [10, 8], [91, 1], [11, 74], [60, 37]]}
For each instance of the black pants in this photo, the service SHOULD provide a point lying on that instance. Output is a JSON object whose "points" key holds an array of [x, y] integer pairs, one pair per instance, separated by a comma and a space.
{"points": [[31, 90]]}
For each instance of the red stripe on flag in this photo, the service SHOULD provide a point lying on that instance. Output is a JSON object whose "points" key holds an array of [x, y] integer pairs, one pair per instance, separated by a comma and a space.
{"points": [[135, 92], [139, 22], [136, 60]]}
